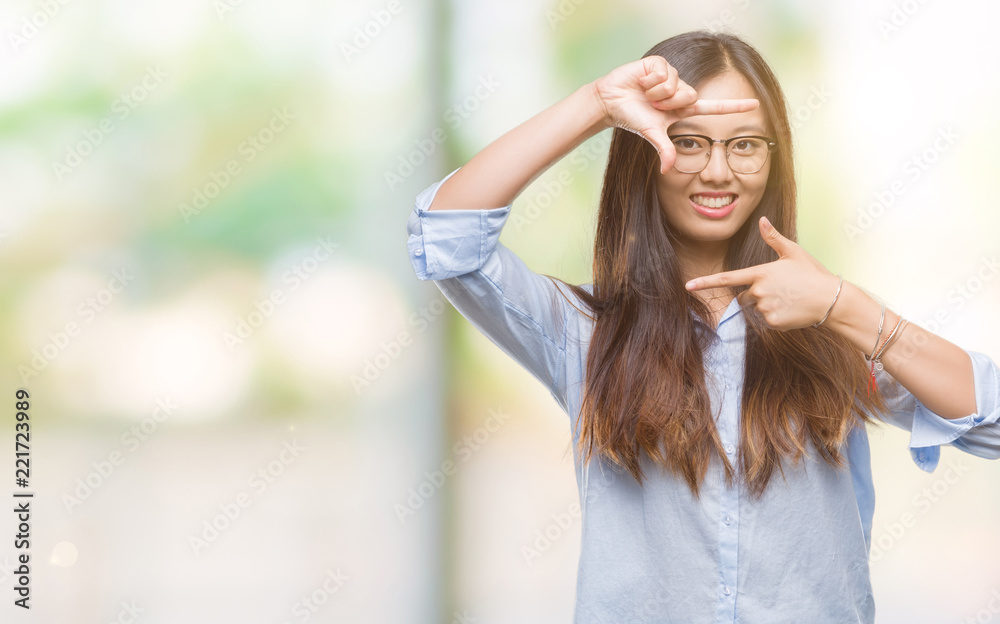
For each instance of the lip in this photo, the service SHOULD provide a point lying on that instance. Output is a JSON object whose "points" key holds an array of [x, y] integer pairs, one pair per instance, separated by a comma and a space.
{"points": [[714, 213]]}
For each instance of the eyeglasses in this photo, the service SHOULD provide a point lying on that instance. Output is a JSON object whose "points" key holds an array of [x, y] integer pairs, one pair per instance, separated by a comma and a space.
{"points": [[745, 154]]}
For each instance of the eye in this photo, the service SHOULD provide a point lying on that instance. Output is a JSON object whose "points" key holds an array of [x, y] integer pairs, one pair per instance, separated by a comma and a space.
{"points": [[746, 147], [689, 145]]}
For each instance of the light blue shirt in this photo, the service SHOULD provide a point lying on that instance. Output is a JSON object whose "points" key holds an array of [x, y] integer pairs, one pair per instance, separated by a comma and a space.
{"points": [[655, 553]]}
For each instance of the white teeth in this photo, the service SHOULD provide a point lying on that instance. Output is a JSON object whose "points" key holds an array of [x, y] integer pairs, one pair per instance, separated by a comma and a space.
{"points": [[713, 202]]}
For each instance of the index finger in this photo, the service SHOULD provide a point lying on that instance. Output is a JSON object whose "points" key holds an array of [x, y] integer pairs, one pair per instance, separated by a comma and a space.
{"points": [[735, 277], [720, 107]]}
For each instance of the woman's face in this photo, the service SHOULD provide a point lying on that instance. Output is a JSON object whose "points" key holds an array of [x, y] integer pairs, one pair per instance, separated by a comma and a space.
{"points": [[682, 195]]}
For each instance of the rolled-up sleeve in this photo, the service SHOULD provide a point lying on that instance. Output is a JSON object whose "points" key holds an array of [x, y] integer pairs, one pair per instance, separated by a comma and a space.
{"points": [[520, 311], [977, 433]]}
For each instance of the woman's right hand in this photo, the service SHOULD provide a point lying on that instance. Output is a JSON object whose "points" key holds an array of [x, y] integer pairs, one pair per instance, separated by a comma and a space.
{"points": [[646, 96]]}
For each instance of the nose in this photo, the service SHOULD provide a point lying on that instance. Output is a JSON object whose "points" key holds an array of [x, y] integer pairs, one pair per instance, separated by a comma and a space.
{"points": [[717, 170]]}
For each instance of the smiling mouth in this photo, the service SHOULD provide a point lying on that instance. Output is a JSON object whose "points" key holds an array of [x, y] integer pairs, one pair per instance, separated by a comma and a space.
{"points": [[714, 201]]}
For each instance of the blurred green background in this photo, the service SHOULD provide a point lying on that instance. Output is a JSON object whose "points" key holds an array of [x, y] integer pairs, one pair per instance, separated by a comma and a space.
{"points": [[206, 289]]}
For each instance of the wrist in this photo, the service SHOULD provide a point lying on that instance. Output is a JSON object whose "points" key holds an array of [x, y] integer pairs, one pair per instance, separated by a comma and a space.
{"points": [[593, 107], [856, 317], [836, 297]]}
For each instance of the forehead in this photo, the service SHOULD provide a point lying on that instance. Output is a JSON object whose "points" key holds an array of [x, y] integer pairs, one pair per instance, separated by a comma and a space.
{"points": [[730, 85]]}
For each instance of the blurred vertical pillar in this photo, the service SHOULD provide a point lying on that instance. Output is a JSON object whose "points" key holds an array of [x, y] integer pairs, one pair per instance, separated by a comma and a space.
{"points": [[440, 42]]}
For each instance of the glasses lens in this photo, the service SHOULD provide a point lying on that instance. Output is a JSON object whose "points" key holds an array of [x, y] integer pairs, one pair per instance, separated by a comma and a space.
{"points": [[692, 154], [747, 155]]}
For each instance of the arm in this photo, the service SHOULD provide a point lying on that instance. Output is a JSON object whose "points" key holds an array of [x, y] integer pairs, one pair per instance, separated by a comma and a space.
{"points": [[516, 308], [936, 371], [498, 173], [453, 239], [938, 391]]}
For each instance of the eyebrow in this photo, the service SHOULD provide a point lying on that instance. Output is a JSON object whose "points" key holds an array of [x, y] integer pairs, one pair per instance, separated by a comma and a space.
{"points": [[683, 125]]}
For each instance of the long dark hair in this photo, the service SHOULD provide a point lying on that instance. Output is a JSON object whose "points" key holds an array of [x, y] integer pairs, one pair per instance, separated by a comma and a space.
{"points": [[645, 385]]}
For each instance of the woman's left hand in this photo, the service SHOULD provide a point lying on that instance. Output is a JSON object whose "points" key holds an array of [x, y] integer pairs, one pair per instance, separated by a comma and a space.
{"points": [[793, 291]]}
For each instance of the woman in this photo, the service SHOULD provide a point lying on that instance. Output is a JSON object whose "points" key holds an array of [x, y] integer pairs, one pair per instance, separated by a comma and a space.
{"points": [[717, 377]]}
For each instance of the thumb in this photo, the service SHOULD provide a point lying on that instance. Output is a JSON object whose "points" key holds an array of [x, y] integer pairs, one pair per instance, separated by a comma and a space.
{"points": [[665, 147], [773, 237], [655, 133]]}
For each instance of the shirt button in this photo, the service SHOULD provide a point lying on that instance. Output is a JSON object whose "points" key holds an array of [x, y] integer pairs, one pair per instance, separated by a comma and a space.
{"points": [[726, 590], [730, 448], [728, 519], [729, 386], [420, 252]]}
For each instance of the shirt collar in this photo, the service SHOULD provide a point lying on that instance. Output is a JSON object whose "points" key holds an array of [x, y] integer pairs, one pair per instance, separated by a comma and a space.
{"points": [[732, 310]]}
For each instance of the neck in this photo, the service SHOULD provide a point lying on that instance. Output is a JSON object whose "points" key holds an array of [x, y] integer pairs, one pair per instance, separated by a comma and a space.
{"points": [[701, 259], [705, 258]]}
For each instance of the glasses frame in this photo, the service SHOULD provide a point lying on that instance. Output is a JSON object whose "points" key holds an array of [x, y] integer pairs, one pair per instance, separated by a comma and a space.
{"points": [[771, 145]]}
